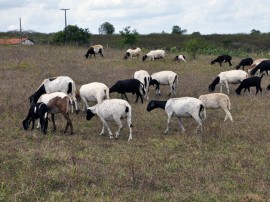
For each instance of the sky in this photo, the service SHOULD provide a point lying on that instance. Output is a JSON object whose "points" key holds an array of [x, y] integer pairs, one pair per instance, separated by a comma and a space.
{"points": [[154, 16]]}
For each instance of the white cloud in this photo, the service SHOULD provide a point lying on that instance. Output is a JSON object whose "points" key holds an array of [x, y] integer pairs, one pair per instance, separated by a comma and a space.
{"points": [[210, 16]]}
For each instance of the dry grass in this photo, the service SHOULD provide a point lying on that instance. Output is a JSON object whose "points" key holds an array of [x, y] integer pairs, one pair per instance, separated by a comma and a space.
{"points": [[227, 162]]}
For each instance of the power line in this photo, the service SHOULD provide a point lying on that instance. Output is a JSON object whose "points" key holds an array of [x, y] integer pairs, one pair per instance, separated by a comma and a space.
{"points": [[65, 9]]}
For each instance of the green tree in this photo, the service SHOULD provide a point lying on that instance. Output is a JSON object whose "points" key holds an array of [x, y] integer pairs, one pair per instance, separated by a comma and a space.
{"points": [[106, 28], [227, 43], [130, 37], [196, 34], [193, 46], [72, 34], [177, 30], [255, 32]]}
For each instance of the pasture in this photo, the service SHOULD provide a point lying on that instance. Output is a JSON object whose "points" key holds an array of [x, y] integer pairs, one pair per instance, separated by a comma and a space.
{"points": [[226, 162]]}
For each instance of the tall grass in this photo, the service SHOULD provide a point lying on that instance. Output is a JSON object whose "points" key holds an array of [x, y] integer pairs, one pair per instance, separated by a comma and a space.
{"points": [[227, 162]]}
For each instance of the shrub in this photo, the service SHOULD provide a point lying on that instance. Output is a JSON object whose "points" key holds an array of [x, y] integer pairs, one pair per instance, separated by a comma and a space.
{"points": [[174, 49], [72, 34]]}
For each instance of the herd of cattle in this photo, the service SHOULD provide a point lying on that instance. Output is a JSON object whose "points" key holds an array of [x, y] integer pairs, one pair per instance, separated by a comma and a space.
{"points": [[59, 95]]}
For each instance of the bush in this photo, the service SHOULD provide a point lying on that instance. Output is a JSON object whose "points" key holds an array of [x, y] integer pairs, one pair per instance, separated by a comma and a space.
{"points": [[174, 49], [193, 46], [130, 37], [72, 34]]}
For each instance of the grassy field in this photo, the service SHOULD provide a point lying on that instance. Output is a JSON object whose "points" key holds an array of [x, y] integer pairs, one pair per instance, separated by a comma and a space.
{"points": [[227, 162]]}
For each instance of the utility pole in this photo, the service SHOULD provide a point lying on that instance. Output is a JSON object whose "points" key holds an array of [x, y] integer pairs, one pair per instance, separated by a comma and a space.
{"points": [[65, 9], [21, 29]]}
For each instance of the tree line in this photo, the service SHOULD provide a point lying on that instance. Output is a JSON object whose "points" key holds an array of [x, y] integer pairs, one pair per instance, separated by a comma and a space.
{"points": [[193, 43]]}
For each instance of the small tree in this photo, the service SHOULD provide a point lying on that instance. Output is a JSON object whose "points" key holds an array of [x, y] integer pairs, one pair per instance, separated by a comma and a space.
{"points": [[193, 46], [72, 34], [130, 37], [255, 32], [196, 34], [106, 28], [227, 43], [177, 30]]}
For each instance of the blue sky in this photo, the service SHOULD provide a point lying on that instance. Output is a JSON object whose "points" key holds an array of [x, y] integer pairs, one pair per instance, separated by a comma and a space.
{"points": [[204, 16]]}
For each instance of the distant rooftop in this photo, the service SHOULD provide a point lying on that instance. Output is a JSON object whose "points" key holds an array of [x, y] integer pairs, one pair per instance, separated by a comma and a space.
{"points": [[16, 41]]}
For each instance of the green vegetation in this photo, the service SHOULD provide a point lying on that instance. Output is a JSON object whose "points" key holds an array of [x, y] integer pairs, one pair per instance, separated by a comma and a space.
{"points": [[193, 46], [106, 28], [255, 32], [72, 34], [238, 45], [227, 162], [130, 37], [177, 30]]}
